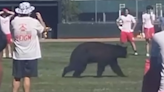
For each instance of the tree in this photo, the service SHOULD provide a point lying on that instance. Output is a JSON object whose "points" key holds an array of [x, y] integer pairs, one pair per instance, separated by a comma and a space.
{"points": [[70, 10]]}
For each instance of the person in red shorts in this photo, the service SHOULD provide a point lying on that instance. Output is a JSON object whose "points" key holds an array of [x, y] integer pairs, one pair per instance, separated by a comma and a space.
{"points": [[5, 17], [148, 19], [127, 20]]}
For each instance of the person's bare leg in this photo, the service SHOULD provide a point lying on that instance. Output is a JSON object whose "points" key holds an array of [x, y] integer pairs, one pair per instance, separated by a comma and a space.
{"points": [[16, 84], [4, 53], [27, 84], [147, 47], [1, 69], [9, 51], [134, 47]]}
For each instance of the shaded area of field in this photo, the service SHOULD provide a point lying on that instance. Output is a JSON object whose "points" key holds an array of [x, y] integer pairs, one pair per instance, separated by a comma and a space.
{"points": [[56, 57]]}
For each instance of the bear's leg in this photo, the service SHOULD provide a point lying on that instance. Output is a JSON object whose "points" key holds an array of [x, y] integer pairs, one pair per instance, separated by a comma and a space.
{"points": [[66, 70], [116, 68], [100, 68], [79, 70]]}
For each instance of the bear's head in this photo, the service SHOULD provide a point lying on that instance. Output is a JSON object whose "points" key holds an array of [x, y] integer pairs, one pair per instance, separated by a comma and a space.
{"points": [[121, 51]]}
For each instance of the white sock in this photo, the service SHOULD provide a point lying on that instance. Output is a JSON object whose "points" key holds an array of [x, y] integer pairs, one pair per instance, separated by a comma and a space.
{"points": [[9, 48], [4, 53]]}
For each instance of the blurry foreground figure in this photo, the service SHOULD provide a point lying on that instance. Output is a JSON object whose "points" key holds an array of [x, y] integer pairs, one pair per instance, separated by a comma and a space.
{"points": [[157, 55], [3, 44], [26, 45], [5, 17]]}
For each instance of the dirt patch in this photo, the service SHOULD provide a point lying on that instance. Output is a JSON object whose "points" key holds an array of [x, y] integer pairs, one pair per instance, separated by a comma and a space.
{"points": [[85, 40]]}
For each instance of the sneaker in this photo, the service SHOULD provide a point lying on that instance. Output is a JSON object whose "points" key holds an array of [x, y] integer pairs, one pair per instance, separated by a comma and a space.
{"points": [[135, 53], [147, 55], [10, 56], [4, 55]]}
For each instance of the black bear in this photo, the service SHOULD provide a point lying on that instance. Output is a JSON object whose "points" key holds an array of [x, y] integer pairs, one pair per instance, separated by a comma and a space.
{"points": [[3, 40], [95, 52]]}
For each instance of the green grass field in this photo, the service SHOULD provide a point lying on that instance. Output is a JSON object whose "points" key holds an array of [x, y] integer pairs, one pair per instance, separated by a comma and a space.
{"points": [[56, 57]]}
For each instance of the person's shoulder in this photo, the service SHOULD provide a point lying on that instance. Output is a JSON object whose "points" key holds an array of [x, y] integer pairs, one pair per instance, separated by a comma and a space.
{"points": [[144, 14], [33, 19], [153, 14], [121, 16], [159, 35], [130, 16], [14, 19]]}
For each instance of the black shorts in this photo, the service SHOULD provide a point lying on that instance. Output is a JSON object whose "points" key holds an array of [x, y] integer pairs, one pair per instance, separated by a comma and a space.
{"points": [[25, 68]]}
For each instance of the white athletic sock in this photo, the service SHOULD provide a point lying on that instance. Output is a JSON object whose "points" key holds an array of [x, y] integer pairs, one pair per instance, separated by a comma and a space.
{"points": [[9, 49], [4, 53]]}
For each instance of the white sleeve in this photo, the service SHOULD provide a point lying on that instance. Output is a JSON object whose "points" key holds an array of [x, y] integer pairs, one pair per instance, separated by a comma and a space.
{"points": [[118, 19], [155, 49], [39, 27], [133, 19], [153, 17], [143, 19]]}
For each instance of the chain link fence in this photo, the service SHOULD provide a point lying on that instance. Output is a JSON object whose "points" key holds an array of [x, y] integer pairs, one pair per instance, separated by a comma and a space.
{"points": [[105, 11]]}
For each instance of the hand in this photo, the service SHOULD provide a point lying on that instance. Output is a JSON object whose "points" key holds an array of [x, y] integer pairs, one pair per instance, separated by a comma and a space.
{"points": [[38, 15], [5, 10], [132, 30], [120, 27], [143, 35]]}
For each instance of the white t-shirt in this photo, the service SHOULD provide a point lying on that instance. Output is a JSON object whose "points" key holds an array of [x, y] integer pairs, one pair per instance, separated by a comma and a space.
{"points": [[147, 20], [5, 24], [26, 40], [127, 22]]}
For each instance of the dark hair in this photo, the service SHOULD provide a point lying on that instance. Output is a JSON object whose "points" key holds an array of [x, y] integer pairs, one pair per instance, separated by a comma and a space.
{"points": [[149, 7], [124, 10]]}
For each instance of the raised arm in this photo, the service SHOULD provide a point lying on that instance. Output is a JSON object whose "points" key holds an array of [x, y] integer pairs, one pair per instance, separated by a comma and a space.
{"points": [[117, 21], [1, 12], [134, 23], [143, 23], [9, 12], [39, 17], [152, 17]]}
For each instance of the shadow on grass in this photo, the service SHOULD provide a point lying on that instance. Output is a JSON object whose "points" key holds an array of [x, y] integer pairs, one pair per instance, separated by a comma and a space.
{"points": [[91, 76], [132, 54]]}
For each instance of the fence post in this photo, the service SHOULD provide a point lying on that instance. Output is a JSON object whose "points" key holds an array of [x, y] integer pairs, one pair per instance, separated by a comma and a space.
{"points": [[137, 9], [96, 11]]}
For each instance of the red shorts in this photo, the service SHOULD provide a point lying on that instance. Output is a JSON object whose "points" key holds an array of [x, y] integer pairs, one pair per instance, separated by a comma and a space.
{"points": [[149, 32], [126, 36], [9, 38]]}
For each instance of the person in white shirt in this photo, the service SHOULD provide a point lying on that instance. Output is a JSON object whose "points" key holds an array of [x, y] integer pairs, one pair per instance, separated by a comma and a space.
{"points": [[148, 19], [27, 49], [127, 20], [5, 17]]}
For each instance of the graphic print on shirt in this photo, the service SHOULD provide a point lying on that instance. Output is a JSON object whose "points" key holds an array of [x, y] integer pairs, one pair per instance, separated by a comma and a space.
{"points": [[24, 34], [22, 27], [127, 23]]}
